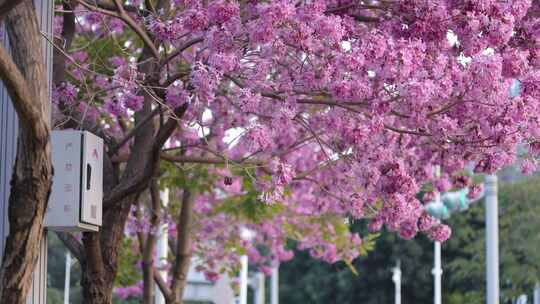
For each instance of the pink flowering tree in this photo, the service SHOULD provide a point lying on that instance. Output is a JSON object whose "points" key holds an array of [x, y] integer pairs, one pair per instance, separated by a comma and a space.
{"points": [[286, 117], [225, 203]]}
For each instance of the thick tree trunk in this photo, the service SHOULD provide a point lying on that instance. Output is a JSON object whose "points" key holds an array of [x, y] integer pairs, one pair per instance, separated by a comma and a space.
{"points": [[101, 254], [96, 290], [97, 275], [32, 176]]}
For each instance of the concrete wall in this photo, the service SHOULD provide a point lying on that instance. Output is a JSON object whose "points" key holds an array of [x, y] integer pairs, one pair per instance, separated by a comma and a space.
{"points": [[200, 289]]}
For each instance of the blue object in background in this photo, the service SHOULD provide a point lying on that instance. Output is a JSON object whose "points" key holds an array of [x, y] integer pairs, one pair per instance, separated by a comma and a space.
{"points": [[515, 88]]}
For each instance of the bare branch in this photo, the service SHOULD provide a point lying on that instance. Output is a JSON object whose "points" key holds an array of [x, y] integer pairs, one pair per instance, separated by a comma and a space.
{"points": [[141, 177], [406, 131], [132, 132], [168, 128], [208, 160], [162, 285], [74, 246], [174, 77], [63, 44], [182, 48], [17, 88], [111, 6], [367, 19]]}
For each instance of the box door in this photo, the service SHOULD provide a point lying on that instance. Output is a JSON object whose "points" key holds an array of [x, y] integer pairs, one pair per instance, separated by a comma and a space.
{"points": [[92, 180]]}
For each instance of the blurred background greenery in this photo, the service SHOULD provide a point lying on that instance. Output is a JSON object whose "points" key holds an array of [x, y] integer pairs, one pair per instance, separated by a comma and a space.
{"points": [[305, 280]]}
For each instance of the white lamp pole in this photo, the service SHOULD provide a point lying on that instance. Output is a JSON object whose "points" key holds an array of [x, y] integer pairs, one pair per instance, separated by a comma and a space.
{"points": [[274, 286], [437, 274], [243, 279], [260, 290], [162, 247], [247, 235], [437, 268], [67, 278], [492, 240], [396, 278]]}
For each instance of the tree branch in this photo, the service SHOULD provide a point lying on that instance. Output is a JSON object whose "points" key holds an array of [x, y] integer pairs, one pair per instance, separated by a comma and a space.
{"points": [[183, 247], [168, 128], [181, 48], [112, 6], [17, 87], [135, 27], [150, 244], [196, 160], [132, 132], [208, 160], [121, 14], [367, 19], [162, 285], [406, 131], [62, 45], [141, 177], [74, 246], [6, 6]]}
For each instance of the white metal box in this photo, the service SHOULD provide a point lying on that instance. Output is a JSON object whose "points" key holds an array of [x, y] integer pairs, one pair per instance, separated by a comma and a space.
{"points": [[76, 198]]}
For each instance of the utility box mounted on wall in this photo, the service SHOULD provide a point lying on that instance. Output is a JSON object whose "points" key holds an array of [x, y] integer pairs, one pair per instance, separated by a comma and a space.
{"points": [[76, 199]]}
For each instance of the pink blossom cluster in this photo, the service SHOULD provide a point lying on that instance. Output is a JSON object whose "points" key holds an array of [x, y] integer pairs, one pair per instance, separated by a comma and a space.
{"points": [[129, 291]]}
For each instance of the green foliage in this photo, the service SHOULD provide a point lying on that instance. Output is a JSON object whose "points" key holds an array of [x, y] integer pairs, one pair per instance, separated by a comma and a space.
{"points": [[116, 300], [56, 266], [193, 177], [519, 226], [306, 280], [368, 243], [128, 273], [109, 46], [54, 296], [248, 207]]}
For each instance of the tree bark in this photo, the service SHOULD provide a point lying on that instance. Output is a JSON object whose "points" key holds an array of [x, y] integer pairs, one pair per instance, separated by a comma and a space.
{"points": [[6, 6], [101, 249], [149, 244], [183, 249], [32, 175]]}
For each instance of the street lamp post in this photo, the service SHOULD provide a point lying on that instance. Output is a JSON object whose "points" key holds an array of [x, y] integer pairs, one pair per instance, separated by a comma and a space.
{"points": [[437, 265], [492, 240], [437, 274], [396, 278], [67, 277], [259, 282], [247, 235], [243, 279], [441, 208], [274, 287]]}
